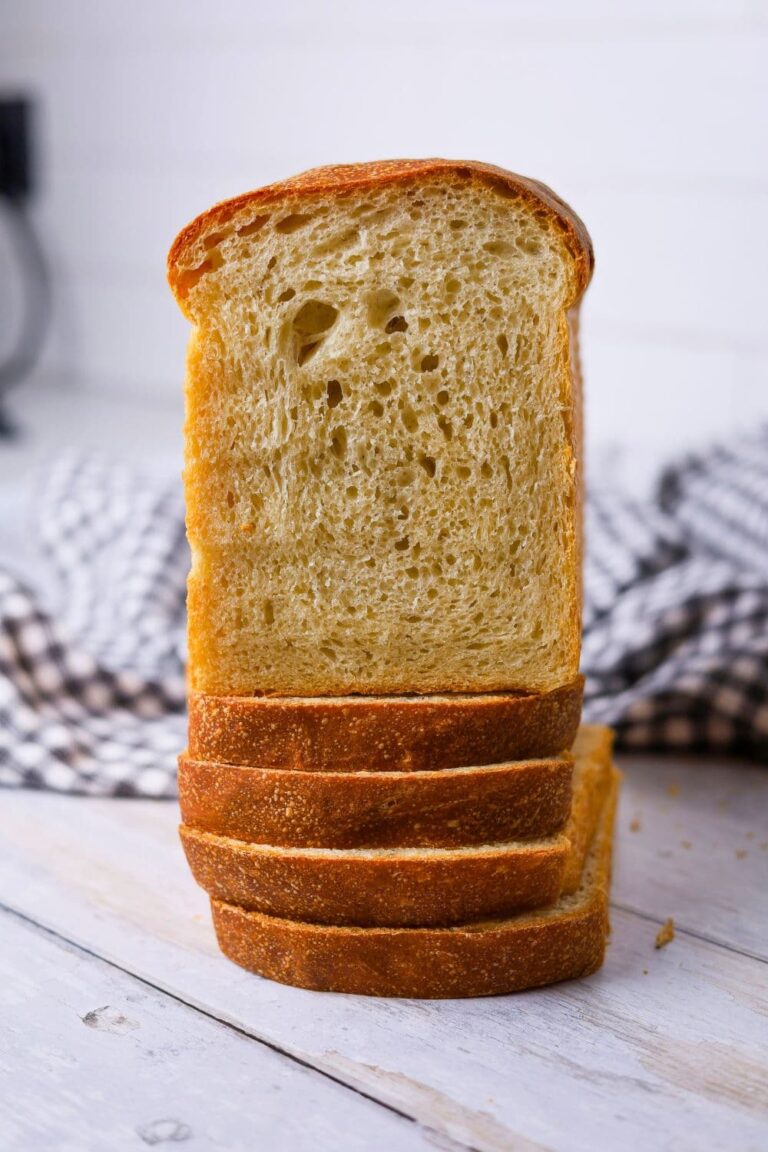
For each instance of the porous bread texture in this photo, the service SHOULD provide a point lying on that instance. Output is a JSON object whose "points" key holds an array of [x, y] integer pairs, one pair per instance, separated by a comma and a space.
{"points": [[381, 467]]}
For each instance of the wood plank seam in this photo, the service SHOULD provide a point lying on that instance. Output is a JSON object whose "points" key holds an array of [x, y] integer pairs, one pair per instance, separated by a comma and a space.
{"points": [[682, 930], [61, 938]]}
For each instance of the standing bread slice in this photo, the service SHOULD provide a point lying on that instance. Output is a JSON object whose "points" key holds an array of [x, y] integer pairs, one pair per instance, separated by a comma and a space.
{"points": [[382, 471], [561, 942]]}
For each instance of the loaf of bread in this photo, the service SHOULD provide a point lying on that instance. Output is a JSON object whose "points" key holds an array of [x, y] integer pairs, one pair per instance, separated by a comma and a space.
{"points": [[561, 942], [407, 885], [382, 434], [382, 734]]}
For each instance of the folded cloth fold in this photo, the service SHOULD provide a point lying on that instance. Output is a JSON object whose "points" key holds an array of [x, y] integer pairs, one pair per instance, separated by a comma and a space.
{"points": [[675, 623]]}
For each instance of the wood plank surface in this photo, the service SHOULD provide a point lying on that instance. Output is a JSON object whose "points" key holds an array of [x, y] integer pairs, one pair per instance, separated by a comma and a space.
{"points": [[693, 845], [661, 1049], [92, 1059]]}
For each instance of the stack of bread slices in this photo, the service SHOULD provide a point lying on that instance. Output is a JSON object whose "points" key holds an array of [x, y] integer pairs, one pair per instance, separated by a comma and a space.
{"points": [[386, 789]]}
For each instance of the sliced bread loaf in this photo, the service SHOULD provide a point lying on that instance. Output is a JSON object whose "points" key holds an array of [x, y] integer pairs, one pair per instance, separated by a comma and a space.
{"points": [[405, 886], [561, 942], [374, 734], [382, 439]]}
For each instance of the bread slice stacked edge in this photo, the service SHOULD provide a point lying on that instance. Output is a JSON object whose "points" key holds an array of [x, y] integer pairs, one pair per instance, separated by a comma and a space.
{"points": [[561, 942], [408, 885]]}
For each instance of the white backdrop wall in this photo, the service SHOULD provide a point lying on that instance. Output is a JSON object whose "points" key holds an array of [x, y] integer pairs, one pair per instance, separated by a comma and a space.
{"points": [[650, 117]]}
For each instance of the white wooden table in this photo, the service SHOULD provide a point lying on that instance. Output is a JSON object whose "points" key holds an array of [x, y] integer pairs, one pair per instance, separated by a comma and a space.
{"points": [[123, 1028]]}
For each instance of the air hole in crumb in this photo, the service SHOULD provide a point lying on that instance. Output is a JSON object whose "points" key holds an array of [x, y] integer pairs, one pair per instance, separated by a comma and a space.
{"points": [[306, 352], [494, 420], [384, 387], [352, 491], [412, 572], [381, 305], [314, 318], [255, 225], [287, 295], [429, 363], [339, 443], [486, 470], [499, 248], [402, 545], [334, 393], [529, 245], [445, 427], [463, 472], [213, 239], [376, 407], [292, 223], [428, 463], [503, 344], [457, 225], [230, 499], [396, 324], [410, 419], [443, 396], [452, 285], [269, 612]]}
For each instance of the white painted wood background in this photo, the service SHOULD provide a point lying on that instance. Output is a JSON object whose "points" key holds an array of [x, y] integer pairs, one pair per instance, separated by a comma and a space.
{"points": [[649, 115], [123, 1027]]}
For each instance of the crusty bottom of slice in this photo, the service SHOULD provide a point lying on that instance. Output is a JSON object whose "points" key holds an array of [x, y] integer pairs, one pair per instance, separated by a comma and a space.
{"points": [[525, 951], [407, 886], [383, 734]]}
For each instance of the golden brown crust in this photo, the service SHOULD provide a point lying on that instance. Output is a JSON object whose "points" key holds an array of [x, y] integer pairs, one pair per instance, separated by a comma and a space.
{"points": [[527, 951], [343, 179], [381, 734], [408, 885], [375, 887], [524, 800]]}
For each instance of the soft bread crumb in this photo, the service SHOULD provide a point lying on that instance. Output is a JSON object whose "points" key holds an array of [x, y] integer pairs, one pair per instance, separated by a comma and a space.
{"points": [[666, 934], [380, 472]]}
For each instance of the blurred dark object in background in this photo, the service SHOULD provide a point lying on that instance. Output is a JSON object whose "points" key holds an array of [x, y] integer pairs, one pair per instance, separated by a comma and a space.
{"points": [[23, 269]]}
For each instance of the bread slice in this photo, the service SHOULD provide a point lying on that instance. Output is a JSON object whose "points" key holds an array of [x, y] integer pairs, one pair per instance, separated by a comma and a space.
{"points": [[521, 800], [404, 886], [374, 734], [382, 436], [561, 942]]}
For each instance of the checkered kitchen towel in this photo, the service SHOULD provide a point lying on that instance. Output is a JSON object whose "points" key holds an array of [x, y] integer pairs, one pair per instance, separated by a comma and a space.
{"points": [[675, 645]]}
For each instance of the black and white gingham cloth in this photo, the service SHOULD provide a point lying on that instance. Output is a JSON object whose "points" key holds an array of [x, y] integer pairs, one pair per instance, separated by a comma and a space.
{"points": [[675, 643]]}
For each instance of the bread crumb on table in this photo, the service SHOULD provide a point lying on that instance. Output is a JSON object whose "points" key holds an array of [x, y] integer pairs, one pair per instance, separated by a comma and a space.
{"points": [[665, 934], [673, 789], [686, 844], [635, 825], [741, 853]]}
